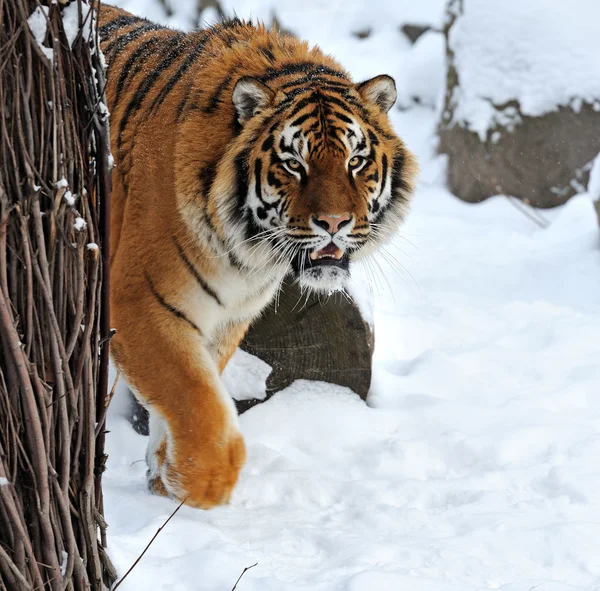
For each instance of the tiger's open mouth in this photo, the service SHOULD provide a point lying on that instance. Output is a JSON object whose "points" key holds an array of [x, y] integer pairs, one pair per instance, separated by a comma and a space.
{"points": [[330, 256], [325, 255]]}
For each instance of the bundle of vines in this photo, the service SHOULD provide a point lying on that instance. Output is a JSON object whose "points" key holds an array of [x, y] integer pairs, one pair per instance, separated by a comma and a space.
{"points": [[54, 182]]}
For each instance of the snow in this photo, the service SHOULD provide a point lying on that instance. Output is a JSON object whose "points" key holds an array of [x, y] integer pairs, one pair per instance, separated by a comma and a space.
{"points": [[245, 376], [62, 184], [70, 16], [474, 464], [594, 182], [92, 246], [69, 198], [421, 78], [38, 22], [64, 563], [80, 224], [541, 53], [4, 481]]}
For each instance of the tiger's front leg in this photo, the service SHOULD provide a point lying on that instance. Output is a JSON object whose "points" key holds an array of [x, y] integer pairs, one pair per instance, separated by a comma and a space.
{"points": [[196, 450]]}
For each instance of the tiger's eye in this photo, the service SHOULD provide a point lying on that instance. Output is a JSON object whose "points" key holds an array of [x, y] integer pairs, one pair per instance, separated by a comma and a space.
{"points": [[355, 161], [293, 163]]}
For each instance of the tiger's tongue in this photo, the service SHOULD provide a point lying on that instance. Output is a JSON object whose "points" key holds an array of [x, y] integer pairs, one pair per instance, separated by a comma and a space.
{"points": [[331, 251]]}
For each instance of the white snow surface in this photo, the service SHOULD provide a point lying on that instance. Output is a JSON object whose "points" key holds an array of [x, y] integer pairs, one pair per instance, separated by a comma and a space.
{"points": [[70, 16], [421, 76], [542, 53], [245, 376], [473, 466], [38, 24], [594, 182]]}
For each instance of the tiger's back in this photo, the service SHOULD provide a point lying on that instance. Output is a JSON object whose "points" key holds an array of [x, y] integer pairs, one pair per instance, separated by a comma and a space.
{"points": [[241, 155]]}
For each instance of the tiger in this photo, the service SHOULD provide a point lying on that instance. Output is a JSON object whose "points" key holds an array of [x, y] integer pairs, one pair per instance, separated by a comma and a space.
{"points": [[241, 155]]}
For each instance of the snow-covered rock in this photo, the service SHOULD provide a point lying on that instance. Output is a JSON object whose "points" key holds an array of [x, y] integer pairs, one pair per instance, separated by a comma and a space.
{"points": [[522, 106], [313, 336], [542, 54]]}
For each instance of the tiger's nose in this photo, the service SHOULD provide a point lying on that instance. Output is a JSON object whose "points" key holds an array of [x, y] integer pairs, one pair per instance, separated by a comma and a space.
{"points": [[333, 223]]}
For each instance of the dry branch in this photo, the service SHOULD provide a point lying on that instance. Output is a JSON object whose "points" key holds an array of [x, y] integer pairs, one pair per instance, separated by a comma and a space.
{"points": [[54, 332]]}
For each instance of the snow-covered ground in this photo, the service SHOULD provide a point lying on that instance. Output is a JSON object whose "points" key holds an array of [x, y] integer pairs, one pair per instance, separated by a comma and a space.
{"points": [[475, 464]]}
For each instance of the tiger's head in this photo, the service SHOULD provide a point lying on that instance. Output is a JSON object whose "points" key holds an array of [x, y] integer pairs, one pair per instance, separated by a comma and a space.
{"points": [[317, 176]]}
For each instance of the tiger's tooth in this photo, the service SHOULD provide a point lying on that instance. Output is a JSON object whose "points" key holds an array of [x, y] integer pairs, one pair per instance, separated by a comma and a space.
{"points": [[314, 255]]}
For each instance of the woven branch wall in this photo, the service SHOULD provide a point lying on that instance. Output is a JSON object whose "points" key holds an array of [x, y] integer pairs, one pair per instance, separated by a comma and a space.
{"points": [[54, 183]]}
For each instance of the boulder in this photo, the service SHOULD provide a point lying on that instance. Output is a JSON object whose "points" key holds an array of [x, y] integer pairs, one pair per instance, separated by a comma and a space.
{"points": [[312, 337], [521, 115]]}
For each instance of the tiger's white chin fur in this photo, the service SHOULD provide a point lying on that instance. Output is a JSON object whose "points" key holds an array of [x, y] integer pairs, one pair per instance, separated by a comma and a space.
{"points": [[324, 278]]}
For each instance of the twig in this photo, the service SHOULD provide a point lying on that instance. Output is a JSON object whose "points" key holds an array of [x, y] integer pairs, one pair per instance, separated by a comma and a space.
{"points": [[528, 212], [243, 573], [118, 583]]}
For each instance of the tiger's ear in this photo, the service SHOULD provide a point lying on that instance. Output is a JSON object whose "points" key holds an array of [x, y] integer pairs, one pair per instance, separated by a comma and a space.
{"points": [[250, 97], [380, 90]]}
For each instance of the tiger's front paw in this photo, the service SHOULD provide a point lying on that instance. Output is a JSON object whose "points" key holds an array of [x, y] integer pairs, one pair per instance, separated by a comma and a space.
{"points": [[202, 473]]}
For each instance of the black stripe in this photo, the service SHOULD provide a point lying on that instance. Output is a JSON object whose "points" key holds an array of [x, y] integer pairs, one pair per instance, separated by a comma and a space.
{"points": [[241, 179], [122, 20], [134, 63], [301, 104], [183, 102], [398, 184], [373, 177], [241, 191], [189, 101], [268, 143], [333, 100], [257, 179], [330, 72], [175, 311], [299, 68], [172, 51], [372, 138], [333, 85], [207, 178], [273, 180], [188, 61], [397, 180], [351, 179], [286, 70], [336, 131], [359, 107], [268, 53], [196, 273], [113, 48], [302, 118], [343, 118], [215, 99]]}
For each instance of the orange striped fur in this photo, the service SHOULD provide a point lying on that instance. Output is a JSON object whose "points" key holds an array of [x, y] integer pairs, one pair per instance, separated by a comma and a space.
{"points": [[241, 155]]}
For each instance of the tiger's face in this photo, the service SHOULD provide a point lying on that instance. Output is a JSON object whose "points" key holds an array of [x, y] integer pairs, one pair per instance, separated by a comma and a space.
{"points": [[324, 181]]}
